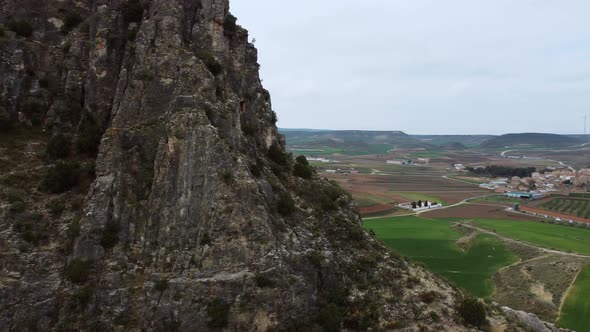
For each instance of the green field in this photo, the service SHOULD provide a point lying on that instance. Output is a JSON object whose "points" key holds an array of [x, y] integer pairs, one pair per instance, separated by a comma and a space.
{"points": [[575, 313], [569, 206], [559, 237], [501, 199], [433, 243], [581, 195], [366, 200]]}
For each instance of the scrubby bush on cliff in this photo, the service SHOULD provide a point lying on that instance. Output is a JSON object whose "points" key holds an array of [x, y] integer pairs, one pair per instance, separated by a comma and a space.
{"points": [[217, 313], [56, 207], [110, 235], [89, 136], [61, 177], [473, 312], [285, 204], [161, 286], [210, 61], [79, 271], [230, 26], [22, 28], [58, 147], [132, 11], [276, 154], [71, 21], [302, 168]]}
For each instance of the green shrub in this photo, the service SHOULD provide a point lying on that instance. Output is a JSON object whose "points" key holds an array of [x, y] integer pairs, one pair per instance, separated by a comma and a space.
{"points": [[161, 285], [248, 129], [110, 235], [276, 154], [316, 258], [88, 136], [302, 168], [44, 82], [34, 109], [79, 271], [256, 170], [473, 312], [22, 28], [217, 313], [13, 196], [61, 177], [263, 281], [428, 297], [76, 204], [2, 32], [82, 297], [357, 234], [227, 177], [31, 228], [285, 204], [132, 11], [56, 207], [71, 21], [210, 61], [274, 118], [58, 147], [205, 240], [330, 317], [230, 26], [18, 207]]}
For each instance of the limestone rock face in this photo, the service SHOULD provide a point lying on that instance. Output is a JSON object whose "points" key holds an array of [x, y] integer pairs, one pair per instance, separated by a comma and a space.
{"points": [[194, 221]]}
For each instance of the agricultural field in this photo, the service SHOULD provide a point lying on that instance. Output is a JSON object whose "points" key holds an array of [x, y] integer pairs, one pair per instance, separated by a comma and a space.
{"points": [[475, 211], [570, 206], [580, 195], [499, 199], [575, 312], [433, 242], [519, 275], [550, 236]]}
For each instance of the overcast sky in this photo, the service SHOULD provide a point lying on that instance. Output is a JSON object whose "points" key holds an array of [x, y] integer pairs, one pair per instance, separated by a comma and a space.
{"points": [[424, 66]]}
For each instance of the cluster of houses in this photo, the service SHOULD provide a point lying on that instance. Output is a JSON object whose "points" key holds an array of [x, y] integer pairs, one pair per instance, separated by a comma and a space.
{"points": [[542, 183], [321, 160], [420, 205], [343, 171]]}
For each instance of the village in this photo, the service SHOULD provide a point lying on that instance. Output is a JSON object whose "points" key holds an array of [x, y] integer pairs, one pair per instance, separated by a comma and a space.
{"points": [[543, 183]]}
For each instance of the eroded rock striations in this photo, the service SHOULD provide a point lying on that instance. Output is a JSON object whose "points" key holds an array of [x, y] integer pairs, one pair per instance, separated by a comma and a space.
{"points": [[195, 220]]}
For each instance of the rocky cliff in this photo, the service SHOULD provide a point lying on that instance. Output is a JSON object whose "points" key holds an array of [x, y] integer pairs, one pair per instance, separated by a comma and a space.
{"points": [[145, 186]]}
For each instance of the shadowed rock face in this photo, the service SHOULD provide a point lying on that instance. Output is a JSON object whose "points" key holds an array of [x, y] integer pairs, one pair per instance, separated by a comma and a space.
{"points": [[194, 221]]}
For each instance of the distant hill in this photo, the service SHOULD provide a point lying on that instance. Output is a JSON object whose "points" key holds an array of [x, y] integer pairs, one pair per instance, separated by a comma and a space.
{"points": [[350, 142], [466, 140], [530, 139], [453, 146]]}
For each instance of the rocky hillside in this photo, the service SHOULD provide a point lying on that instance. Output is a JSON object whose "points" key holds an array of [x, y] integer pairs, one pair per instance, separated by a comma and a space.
{"points": [[144, 187]]}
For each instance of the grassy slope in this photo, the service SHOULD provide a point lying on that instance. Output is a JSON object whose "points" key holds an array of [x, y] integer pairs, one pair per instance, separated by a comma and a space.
{"points": [[546, 235], [576, 310], [433, 243]]}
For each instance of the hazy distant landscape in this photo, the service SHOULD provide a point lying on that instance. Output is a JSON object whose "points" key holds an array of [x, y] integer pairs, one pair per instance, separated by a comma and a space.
{"points": [[534, 257]]}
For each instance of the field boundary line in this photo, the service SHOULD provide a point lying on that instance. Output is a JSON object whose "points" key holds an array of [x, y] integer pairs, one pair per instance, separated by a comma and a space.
{"points": [[509, 239], [567, 292]]}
